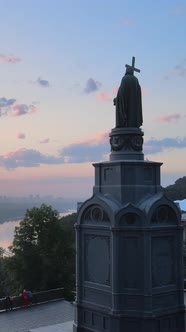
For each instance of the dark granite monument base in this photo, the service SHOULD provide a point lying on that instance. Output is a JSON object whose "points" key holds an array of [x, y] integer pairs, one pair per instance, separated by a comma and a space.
{"points": [[129, 246], [95, 321]]}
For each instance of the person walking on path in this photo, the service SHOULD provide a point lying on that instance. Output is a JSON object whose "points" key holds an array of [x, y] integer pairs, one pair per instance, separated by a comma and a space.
{"points": [[25, 298], [30, 297]]}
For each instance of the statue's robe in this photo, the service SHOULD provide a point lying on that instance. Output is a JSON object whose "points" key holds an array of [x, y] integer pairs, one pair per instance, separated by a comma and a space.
{"points": [[128, 103]]}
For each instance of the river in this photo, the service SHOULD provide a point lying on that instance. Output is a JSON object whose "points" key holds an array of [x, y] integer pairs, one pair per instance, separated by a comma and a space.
{"points": [[7, 230]]}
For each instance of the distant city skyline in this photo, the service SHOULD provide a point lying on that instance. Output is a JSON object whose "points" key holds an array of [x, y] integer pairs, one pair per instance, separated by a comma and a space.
{"points": [[60, 67]]}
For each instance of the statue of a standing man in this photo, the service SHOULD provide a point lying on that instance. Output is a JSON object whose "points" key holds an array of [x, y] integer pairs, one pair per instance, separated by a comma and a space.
{"points": [[128, 101]]}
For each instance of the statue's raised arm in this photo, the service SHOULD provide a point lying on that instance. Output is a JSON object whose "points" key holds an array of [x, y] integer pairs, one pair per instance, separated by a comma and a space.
{"points": [[128, 100]]}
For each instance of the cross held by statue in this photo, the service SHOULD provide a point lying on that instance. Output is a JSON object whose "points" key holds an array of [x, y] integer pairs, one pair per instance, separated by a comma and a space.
{"points": [[133, 66]]}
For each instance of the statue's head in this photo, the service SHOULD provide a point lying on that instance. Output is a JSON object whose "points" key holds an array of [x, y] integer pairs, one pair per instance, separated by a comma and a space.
{"points": [[129, 70]]}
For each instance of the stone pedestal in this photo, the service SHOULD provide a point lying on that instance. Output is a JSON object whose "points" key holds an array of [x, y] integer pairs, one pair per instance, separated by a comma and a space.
{"points": [[129, 247], [126, 144]]}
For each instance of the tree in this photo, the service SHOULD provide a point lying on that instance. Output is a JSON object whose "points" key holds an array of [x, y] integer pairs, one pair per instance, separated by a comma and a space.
{"points": [[44, 257], [8, 283], [177, 191], [67, 224]]}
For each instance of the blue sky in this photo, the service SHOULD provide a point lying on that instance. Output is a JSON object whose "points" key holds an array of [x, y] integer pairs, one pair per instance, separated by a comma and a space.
{"points": [[61, 63]]}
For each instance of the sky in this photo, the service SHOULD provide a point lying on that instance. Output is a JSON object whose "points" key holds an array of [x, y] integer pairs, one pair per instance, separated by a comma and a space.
{"points": [[61, 63]]}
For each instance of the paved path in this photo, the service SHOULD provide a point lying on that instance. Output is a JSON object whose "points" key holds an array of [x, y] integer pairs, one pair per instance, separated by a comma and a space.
{"points": [[63, 327], [23, 320]]}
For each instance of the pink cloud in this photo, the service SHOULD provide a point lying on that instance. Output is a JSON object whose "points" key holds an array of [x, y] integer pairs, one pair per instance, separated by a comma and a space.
{"points": [[12, 108], [19, 109], [45, 141], [17, 153], [101, 137], [22, 109], [28, 158], [107, 96], [8, 59], [33, 109], [168, 118], [21, 135], [179, 10]]}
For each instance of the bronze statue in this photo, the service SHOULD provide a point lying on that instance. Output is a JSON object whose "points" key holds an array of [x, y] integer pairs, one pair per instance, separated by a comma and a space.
{"points": [[128, 101]]}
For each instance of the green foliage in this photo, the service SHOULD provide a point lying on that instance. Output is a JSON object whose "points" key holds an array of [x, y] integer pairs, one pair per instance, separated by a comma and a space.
{"points": [[181, 181], [8, 284], [177, 191], [67, 223], [44, 251]]}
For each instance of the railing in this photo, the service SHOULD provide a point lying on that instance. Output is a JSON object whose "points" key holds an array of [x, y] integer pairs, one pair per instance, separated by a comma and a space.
{"points": [[38, 298]]}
